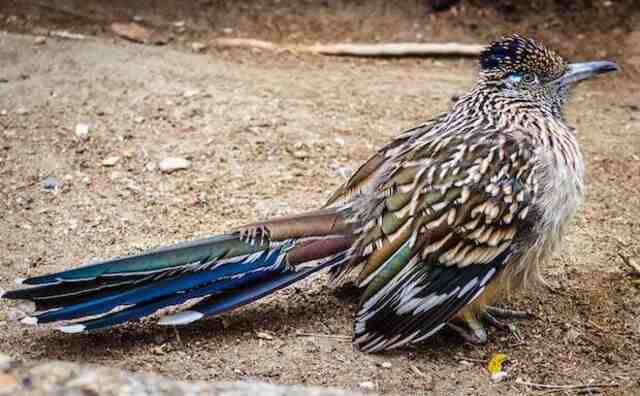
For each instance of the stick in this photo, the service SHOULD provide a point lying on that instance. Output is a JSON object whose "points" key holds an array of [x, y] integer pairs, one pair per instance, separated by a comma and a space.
{"points": [[336, 336], [417, 371], [630, 263], [365, 50], [566, 387]]}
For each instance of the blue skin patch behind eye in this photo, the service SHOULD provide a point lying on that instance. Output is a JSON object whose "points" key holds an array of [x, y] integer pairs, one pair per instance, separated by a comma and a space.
{"points": [[514, 77]]}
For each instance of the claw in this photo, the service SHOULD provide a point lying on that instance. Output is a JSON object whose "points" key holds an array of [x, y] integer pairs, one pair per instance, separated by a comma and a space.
{"points": [[508, 327]]}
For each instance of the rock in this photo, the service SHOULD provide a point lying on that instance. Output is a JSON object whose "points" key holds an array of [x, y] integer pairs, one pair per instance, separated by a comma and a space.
{"points": [[264, 336], [172, 164], [386, 365], [110, 161], [151, 166], [51, 183], [67, 35], [132, 32], [190, 93], [499, 376], [300, 154], [139, 120], [138, 18], [367, 385], [40, 40], [64, 378], [22, 110], [5, 362], [344, 171], [82, 131], [13, 315], [198, 47], [179, 24]]}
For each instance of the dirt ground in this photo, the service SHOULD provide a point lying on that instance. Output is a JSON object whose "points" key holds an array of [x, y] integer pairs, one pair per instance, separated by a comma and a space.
{"points": [[274, 133]]}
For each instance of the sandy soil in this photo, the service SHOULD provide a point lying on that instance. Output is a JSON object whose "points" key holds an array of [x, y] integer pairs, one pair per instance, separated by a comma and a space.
{"points": [[271, 134]]}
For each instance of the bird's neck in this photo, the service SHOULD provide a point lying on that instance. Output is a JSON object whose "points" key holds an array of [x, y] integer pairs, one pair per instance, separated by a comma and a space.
{"points": [[542, 121]]}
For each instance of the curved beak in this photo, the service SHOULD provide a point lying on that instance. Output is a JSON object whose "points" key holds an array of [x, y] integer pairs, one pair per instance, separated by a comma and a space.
{"points": [[581, 71]]}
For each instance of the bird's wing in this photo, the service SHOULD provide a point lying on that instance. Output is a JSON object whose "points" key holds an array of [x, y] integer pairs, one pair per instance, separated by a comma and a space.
{"points": [[446, 220], [364, 180]]}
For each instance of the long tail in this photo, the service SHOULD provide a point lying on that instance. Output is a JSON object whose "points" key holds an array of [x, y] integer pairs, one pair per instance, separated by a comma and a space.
{"points": [[228, 271]]}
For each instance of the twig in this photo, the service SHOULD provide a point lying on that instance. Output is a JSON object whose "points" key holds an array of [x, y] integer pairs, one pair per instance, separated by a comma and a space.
{"points": [[474, 360], [26, 185], [630, 263], [336, 336], [417, 371], [566, 387], [178, 338], [364, 50], [67, 35]]}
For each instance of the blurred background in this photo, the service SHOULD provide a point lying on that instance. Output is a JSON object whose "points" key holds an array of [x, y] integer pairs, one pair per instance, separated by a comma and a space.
{"points": [[602, 28]]}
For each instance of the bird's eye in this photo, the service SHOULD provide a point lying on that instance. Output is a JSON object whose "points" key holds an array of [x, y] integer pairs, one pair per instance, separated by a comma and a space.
{"points": [[529, 78]]}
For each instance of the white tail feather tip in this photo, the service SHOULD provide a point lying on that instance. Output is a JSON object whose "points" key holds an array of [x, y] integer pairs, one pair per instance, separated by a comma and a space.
{"points": [[72, 329], [29, 320], [20, 281], [181, 318]]}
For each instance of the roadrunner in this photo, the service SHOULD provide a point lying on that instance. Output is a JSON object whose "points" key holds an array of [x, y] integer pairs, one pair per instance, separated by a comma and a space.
{"points": [[430, 228]]}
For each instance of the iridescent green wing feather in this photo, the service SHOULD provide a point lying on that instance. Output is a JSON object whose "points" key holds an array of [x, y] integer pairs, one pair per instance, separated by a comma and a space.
{"points": [[446, 224]]}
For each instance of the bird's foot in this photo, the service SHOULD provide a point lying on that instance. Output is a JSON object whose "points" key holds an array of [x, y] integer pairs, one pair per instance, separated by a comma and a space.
{"points": [[474, 331], [508, 327]]}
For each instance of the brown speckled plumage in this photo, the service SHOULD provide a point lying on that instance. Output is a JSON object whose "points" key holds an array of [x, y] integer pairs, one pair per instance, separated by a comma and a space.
{"points": [[430, 228]]}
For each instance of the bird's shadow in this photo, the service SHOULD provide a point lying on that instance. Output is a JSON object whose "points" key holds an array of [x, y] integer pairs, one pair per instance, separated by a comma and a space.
{"points": [[284, 317]]}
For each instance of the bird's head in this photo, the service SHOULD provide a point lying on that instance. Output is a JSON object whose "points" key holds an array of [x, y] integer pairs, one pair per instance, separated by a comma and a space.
{"points": [[523, 68]]}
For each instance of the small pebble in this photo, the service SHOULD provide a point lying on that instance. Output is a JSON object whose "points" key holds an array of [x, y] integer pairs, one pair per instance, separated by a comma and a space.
{"points": [[300, 154], [499, 376], [151, 166], [198, 47], [386, 365], [190, 93], [40, 40], [179, 24], [82, 131], [51, 183], [5, 361], [14, 315], [110, 161], [138, 18], [264, 336], [139, 120], [367, 385], [22, 110], [172, 164], [344, 171]]}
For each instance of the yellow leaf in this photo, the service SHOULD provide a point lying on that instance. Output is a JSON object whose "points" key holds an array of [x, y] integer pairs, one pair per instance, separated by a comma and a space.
{"points": [[495, 364]]}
